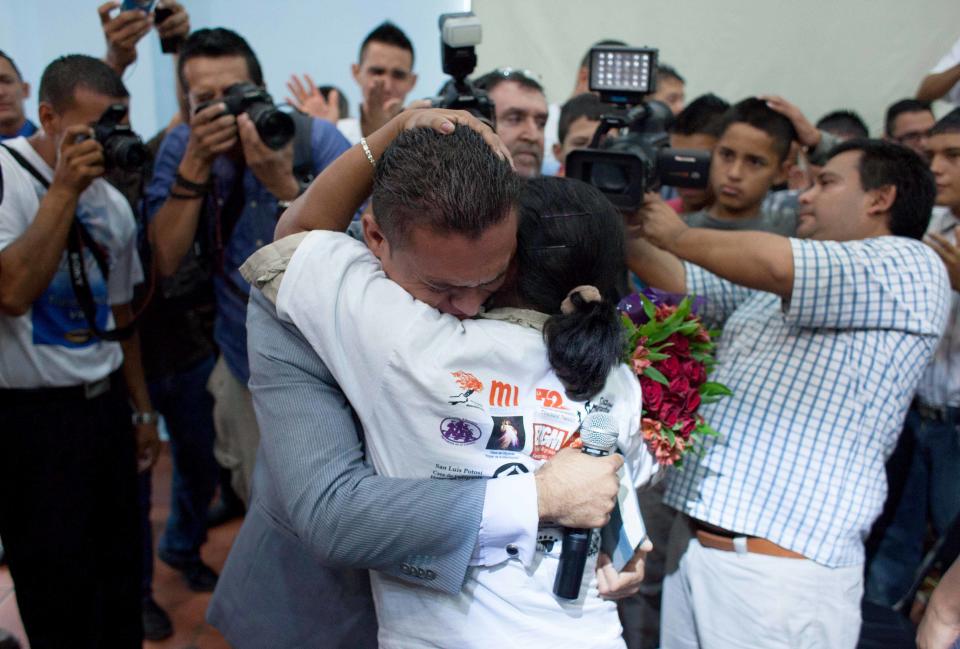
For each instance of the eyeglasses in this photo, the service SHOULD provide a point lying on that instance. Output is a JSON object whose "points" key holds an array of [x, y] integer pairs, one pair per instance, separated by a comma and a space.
{"points": [[912, 137]]}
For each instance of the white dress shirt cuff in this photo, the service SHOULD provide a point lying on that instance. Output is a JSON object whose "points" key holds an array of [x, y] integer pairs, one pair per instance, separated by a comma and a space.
{"points": [[508, 529]]}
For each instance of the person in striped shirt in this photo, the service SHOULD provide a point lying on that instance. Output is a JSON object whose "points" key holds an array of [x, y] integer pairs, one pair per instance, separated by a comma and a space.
{"points": [[825, 338]]}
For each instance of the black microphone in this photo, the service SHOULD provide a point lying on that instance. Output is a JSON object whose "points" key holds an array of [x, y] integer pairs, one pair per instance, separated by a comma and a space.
{"points": [[598, 434]]}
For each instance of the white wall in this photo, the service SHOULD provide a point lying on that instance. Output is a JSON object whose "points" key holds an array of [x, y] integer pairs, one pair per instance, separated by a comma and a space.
{"points": [[821, 54], [861, 54], [320, 37]]}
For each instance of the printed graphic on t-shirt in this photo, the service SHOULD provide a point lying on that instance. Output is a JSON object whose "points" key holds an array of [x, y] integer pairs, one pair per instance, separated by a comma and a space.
{"points": [[469, 386], [460, 431], [507, 435], [56, 315]]}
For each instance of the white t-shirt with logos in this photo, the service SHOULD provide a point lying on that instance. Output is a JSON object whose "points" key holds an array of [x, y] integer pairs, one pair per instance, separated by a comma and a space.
{"points": [[450, 399], [51, 345]]}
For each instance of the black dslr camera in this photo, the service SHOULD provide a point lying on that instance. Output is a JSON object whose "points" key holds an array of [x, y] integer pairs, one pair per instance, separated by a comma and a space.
{"points": [[122, 148], [459, 34], [639, 159], [275, 127]]}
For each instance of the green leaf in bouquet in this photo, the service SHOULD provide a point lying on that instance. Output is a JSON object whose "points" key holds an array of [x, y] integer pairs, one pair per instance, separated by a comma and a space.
{"points": [[648, 307], [653, 357], [688, 328], [712, 388], [654, 374], [670, 436]]}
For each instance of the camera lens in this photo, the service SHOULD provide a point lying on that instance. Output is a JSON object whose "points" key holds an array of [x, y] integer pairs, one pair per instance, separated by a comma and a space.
{"points": [[125, 152], [275, 128]]}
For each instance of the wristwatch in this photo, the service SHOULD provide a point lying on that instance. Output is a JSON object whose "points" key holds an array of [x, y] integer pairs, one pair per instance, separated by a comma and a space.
{"points": [[144, 418]]}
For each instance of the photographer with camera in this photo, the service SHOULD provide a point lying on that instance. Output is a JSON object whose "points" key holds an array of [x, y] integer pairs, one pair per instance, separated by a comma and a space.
{"points": [[227, 175], [69, 365]]}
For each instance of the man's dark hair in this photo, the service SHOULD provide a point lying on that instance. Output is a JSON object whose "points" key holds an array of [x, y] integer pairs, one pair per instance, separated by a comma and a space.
{"points": [[666, 71], [450, 183], [585, 105], [494, 78], [4, 55], [570, 235], [704, 115], [62, 78], [845, 123], [609, 42], [388, 34], [343, 106], [899, 108], [755, 112], [886, 163], [218, 43], [949, 123]]}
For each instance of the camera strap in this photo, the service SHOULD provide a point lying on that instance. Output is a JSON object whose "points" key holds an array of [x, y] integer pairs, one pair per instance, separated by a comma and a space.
{"points": [[78, 239]]}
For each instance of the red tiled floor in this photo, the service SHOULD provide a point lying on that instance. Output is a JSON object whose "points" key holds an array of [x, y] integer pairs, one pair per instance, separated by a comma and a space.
{"points": [[185, 607]]}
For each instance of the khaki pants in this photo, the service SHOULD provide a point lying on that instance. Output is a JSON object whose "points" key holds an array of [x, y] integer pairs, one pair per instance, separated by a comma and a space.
{"points": [[713, 599], [236, 423]]}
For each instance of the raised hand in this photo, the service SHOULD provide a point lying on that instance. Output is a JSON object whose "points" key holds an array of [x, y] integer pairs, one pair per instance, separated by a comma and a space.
{"points": [[307, 98], [122, 33]]}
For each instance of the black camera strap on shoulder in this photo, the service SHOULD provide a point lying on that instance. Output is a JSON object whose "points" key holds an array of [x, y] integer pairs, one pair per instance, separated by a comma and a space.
{"points": [[79, 238]]}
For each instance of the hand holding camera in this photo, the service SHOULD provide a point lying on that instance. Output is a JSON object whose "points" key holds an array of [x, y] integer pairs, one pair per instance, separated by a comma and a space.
{"points": [[272, 167], [80, 160], [213, 131], [136, 17]]}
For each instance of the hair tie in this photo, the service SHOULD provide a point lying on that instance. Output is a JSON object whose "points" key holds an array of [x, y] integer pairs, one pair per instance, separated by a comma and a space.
{"points": [[587, 294]]}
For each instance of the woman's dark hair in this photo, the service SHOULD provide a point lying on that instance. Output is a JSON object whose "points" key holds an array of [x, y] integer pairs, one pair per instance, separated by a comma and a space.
{"points": [[570, 235]]}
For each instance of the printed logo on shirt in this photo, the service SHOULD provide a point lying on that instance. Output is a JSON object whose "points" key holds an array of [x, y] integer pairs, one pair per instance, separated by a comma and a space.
{"points": [[511, 468], [460, 431], [504, 394], [547, 440], [547, 538], [507, 435], [469, 385], [550, 398], [56, 315], [600, 405]]}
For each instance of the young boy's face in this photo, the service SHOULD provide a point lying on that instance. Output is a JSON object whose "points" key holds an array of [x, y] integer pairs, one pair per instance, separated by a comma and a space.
{"points": [[694, 198], [745, 166], [943, 151], [578, 137]]}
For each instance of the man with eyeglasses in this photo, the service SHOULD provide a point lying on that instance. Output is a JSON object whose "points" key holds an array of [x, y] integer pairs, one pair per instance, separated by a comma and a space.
{"points": [[520, 107], [907, 122]]}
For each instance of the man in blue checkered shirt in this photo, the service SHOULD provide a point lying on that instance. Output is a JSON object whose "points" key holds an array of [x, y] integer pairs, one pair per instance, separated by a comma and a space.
{"points": [[825, 339]]}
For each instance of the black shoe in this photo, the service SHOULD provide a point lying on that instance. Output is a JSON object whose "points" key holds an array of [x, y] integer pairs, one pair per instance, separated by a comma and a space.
{"points": [[156, 622], [200, 577]]}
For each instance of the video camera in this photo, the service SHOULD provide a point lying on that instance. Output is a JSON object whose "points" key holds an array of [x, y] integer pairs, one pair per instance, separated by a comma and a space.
{"points": [[122, 148], [640, 158], [460, 33], [275, 127]]}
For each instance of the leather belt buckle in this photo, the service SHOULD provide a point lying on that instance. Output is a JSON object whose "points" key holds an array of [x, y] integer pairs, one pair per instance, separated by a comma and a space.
{"points": [[95, 389]]}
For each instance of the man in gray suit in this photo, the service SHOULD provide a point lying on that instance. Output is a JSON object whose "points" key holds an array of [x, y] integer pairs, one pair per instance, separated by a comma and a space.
{"points": [[319, 512]]}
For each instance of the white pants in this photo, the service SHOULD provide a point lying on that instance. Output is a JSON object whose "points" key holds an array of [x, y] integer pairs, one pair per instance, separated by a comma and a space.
{"points": [[714, 599]]}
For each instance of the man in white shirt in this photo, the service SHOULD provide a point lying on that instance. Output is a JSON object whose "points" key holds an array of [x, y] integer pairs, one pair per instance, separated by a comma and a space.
{"points": [[924, 471], [68, 265], [825, 338], [944, 78]]}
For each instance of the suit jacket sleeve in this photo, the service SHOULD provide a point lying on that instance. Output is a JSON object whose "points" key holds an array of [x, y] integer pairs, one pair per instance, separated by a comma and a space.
{"points": [[423, 531]]}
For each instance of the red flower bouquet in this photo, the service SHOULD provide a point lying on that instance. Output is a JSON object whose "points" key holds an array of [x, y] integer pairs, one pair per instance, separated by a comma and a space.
{"points": [[671, 353]]}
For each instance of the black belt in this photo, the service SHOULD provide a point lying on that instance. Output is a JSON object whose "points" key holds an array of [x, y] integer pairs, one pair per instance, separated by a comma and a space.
{"points": [[942, 414], [83, 392]]}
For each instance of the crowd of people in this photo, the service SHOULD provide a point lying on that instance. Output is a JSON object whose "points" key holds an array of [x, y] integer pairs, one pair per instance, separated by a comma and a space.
{"points": [[300, 317]]}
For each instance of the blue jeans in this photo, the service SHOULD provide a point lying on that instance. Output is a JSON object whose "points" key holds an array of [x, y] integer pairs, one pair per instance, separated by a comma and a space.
{"points": [[187, 408], [931, 491]]}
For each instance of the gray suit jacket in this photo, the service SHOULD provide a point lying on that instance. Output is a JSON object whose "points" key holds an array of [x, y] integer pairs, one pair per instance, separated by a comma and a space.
{"points": [[318, 512]]}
